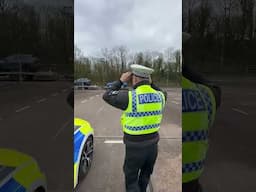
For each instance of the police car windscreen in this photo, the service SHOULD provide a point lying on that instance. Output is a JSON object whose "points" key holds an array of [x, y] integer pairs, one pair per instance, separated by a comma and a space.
{"points": [[76, 127], [5, 171]]}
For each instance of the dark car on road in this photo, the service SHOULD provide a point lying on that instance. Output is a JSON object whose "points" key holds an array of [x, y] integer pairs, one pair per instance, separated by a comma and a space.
{"points": [[82, 83]]}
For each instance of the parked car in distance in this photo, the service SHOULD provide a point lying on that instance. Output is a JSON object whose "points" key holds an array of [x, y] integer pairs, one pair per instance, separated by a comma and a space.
{"points": [[82, 83]]}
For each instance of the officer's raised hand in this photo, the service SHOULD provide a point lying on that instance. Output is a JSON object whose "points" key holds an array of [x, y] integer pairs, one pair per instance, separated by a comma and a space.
{"points": [[126, 77], [116, 97]]}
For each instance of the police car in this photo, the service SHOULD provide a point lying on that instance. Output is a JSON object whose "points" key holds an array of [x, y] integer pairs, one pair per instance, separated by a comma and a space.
{"points": [[83, 149], [20, 173]]}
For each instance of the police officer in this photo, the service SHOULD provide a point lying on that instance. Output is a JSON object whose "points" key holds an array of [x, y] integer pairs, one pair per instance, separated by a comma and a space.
{"points": [[200, 100], [142, 114]]}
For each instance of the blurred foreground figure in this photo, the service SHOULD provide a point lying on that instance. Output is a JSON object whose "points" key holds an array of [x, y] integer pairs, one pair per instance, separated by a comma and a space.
{"points": [[200, 99], [20, 172]]}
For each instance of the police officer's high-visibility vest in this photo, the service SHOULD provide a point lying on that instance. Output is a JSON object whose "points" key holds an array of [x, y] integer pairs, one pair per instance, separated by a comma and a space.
{"points": [[144, 112], [198, 111]]}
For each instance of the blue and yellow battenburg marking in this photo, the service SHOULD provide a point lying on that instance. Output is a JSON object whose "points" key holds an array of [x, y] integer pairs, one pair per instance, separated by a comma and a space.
{"points": [[13, 186], [19, 172], [82, 130]]}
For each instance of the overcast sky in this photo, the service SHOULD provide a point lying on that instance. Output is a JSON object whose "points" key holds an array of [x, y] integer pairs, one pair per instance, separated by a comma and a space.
{"points": [[137, 24]]}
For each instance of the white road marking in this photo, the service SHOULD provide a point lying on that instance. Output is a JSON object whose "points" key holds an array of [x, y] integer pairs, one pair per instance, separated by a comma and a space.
{"points": [[91, 98], [41, 100], [118, 138], [179, 138], [107, 137], [84, 101], [54, 94], [240, 111], [22, 109], [113, 141], [97, 95], [175, 102], [61, 128], [248, 104], [100, 109]]}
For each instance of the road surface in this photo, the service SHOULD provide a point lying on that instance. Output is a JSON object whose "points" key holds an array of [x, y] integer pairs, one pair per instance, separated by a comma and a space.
{"points": [[230, 165], [35, 119], [106, 172]]}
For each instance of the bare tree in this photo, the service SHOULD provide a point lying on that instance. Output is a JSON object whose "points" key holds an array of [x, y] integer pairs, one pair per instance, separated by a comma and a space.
{"points": [[247, 8], [223, 27], [228, 6], [204, 17], [169, 54], [177, 61], [148, 58], [4, 6], [140, 58], [191, 4], [122, 52], [77, 52]]}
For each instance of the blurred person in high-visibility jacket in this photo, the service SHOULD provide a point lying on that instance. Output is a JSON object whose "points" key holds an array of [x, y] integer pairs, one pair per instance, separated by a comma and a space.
{"points": [[200, 100]]}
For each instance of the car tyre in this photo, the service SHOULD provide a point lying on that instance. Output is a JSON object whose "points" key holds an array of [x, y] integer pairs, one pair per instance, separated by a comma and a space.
{"points": [[40, 189], [86, 158]]}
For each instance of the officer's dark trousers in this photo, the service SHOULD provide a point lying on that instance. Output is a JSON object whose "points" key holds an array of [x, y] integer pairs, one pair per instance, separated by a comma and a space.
{"points": [[138, 166]]}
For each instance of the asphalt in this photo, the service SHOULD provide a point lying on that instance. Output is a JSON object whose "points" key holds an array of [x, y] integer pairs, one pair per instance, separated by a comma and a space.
{"points": [[35, 119], [106, 171], [230, 164]]}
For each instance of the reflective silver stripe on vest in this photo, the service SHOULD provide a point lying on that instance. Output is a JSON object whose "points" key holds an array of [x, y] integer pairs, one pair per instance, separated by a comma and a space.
{"points": [[139, 128], [143, 114], [194, 135], [194, 166]]}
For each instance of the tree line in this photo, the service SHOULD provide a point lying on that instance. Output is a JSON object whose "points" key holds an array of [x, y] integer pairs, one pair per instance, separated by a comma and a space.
{"points": [[223, 35], [112, 62], [44, 32]]}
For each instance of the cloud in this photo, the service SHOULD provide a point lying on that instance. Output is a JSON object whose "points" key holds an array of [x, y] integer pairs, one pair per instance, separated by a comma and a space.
{"points": [[138, 24]]}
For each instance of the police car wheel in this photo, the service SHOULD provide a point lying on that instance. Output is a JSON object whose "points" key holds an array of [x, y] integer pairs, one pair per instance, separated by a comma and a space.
{"points": [[40, 189], [200, 188], [86, 158]]}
